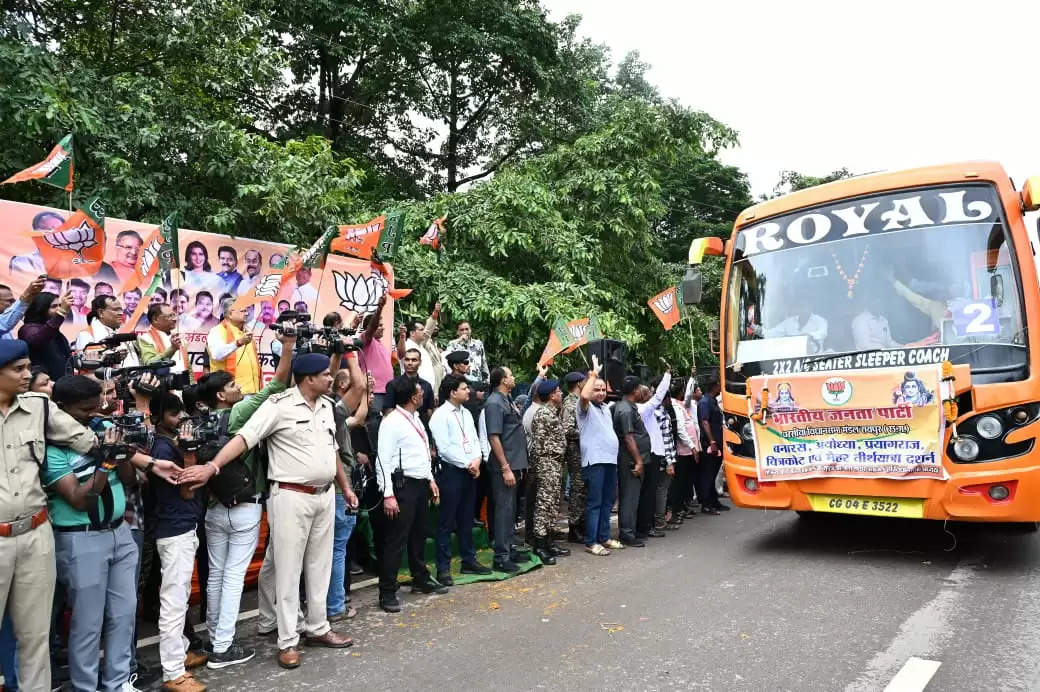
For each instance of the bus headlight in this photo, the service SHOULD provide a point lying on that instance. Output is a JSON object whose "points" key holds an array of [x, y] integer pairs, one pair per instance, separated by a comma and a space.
{"points": [[989, 427], [966, 448], [745, 432]]}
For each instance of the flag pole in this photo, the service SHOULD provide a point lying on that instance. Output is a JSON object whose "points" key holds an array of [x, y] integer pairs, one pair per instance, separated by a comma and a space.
{"points": [[70, 200], [693, 348]]}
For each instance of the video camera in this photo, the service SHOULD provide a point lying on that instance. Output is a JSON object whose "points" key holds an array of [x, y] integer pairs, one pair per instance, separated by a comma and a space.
{"points": [[169, 380], [206, 440], [104, 353], [337, 341], [134, 434]]}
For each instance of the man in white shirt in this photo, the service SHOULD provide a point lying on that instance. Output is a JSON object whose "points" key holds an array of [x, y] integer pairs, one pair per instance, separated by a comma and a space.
{"points": [[254, 260], [105, 319], [803, 322], [160, 342], [304, 292], [405, 479], [411, 337], [458, 446]]}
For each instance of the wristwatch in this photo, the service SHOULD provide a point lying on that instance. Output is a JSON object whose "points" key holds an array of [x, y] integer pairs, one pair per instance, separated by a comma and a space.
{"points": [[149, 467]]}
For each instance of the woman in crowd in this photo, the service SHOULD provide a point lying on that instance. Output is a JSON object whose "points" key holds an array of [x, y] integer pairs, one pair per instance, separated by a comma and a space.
{"points": [[48, 347], [40, 382]]}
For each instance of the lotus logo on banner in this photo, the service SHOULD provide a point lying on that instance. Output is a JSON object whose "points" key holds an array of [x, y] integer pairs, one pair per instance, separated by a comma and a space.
{"points": [[666, 306], [360, 294], [578, 330], [268, 286], [75, 248], [78, 239]]}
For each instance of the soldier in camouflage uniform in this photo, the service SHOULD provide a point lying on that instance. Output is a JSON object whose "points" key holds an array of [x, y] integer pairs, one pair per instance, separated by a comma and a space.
{"points": [[547, 451], [576, 504]]}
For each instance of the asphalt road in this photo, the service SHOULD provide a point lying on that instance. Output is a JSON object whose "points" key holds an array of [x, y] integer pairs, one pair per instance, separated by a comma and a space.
{"points": [[749, 600]]}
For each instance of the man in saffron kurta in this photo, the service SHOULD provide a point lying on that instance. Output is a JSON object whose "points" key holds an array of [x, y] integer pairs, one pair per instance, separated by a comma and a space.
{"points": [[232, 349]]}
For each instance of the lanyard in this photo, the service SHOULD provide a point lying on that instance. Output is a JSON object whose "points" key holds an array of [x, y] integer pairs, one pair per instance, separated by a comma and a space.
{"points": [[408, 418], [462, 428]]}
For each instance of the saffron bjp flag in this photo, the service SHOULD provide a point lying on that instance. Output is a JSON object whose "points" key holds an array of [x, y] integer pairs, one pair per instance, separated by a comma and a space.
{"points": [[56, 169], [666, 306], [432, 237], [359, 240], [395, 293], [559, 340], [77, 247], [147, 262], [315, 255]]}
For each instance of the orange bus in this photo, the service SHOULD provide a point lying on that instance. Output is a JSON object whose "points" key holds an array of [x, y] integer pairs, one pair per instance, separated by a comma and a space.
{"points": [[875, 356]]}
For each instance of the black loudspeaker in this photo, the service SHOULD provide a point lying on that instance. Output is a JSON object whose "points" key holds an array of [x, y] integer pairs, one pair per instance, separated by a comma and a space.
{"points": [[613, 355]]}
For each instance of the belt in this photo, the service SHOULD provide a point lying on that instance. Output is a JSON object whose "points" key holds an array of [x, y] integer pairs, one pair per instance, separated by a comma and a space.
{"points": [[306, 489], [23, 525], [114, 524]]}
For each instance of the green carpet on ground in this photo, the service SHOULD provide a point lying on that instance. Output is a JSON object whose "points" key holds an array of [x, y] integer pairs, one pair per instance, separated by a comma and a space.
{"points": [[485, 556]]}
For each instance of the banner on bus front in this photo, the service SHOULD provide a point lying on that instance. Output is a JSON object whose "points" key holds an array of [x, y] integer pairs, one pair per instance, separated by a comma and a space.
{"points": [[885, 423]]}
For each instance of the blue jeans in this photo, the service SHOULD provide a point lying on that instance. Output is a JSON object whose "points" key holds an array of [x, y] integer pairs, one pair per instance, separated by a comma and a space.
{"points": [[458, 495], [8, 655], [336, 602], [601, 486]]}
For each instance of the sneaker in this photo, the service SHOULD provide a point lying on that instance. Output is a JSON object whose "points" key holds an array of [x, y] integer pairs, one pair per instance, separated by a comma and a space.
{"points": [[431, 585], [390, 604], [630, 542], [129, 686], [356, 569], [445, 578], [615, 544], [597, 549], [234, 655]]}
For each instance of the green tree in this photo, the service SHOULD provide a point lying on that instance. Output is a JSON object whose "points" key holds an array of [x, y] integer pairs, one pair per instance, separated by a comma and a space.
{"points": [[792, 181]]}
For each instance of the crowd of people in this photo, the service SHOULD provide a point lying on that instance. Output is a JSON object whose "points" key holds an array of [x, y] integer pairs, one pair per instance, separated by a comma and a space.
{"points": [[120, 485]]}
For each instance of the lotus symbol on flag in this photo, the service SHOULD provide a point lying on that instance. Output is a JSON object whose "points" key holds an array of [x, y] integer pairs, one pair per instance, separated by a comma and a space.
{"points": [[268, 286], [578, 330], [360, 294], [666, 302], [74, 239]]}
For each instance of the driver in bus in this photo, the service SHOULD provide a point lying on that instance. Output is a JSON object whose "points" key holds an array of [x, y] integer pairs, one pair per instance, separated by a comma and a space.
{"points": [[870, 330], [804, 321]]}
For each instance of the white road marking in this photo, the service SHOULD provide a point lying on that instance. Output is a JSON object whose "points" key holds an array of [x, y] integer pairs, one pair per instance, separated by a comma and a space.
{"points": [[913, 676], [922, 634]]}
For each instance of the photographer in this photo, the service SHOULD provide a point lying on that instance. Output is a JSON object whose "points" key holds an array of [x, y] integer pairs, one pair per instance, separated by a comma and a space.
{"points": [[233, 531], [86, 501], [178, 511], [104, 319], [232, 350], [300, 432], [26, 537], [160, 342]]}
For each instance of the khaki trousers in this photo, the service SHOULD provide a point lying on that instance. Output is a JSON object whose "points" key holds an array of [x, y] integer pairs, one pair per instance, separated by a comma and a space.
{"points": [[302, 529], [26, 593]]}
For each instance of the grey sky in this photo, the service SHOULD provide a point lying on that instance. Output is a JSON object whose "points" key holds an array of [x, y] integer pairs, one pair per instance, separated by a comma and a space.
{"points": [[814, 86]]}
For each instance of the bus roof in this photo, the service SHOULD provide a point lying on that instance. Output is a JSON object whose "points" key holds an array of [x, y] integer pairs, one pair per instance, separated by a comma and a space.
{"points": [[872, 183]]}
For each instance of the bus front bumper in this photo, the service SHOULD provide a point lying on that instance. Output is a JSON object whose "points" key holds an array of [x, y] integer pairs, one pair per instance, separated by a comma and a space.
{"points": [[976, 492]]}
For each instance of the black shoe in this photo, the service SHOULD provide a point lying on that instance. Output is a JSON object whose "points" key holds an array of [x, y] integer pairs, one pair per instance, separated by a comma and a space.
{"points": [[475, 568], [632, 542], [390, 604], [558, 550], [655, 533], [710, 510], [445, 578], [508, 566], [356, 569], [575, 536], [234, 655], [429, 586], [723, 508], [520, 556], [543, 552]]}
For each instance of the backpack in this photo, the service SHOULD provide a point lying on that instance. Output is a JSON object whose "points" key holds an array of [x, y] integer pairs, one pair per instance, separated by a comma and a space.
{"points": [[235, 483]]}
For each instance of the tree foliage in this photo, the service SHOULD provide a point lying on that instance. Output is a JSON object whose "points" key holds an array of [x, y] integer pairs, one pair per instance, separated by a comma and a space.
{"points": [[571, 186]]}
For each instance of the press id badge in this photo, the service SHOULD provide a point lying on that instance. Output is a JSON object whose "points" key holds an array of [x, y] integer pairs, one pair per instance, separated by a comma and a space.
{"points": [[467, 447]]}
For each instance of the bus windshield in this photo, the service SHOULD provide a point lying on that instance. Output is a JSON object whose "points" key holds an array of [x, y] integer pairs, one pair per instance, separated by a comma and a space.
{"points": [[902, 278]]}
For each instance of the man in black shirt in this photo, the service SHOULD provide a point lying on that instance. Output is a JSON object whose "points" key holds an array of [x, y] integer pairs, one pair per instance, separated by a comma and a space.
{"points": [[710, 416]]}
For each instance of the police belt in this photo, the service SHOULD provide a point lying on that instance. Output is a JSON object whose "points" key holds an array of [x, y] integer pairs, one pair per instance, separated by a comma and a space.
{"points": [[305, 489], [110, 526], [24, 525]]}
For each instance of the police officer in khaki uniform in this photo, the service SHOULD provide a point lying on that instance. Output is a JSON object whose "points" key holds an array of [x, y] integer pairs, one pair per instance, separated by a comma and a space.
{"points": [[26, 541], [300, 431]]}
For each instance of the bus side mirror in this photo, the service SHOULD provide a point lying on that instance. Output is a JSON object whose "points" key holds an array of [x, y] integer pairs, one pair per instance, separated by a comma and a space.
{"points": [[692, 286], [1031, 194]]}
